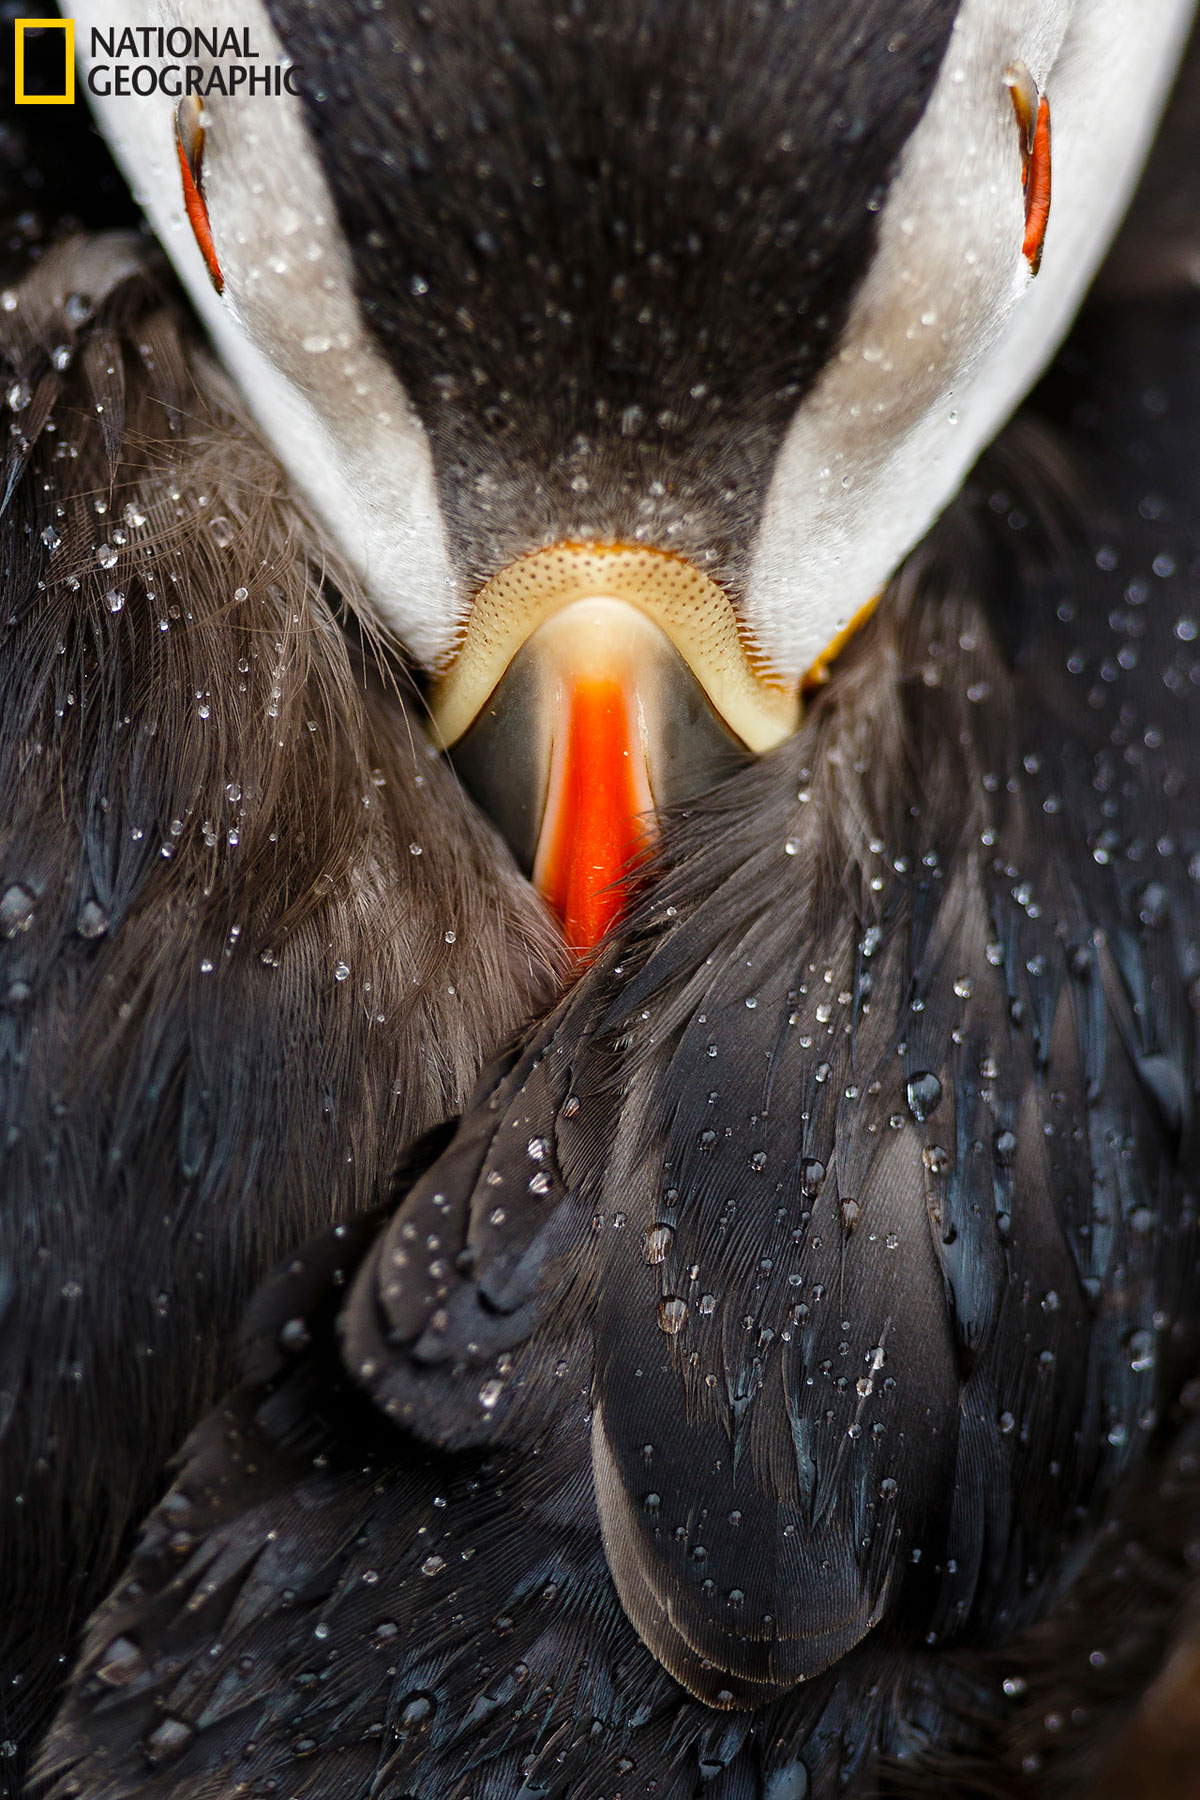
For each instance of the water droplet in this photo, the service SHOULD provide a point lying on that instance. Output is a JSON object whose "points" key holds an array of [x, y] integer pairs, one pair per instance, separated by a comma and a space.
{"points": [[812, 1176], [120, 1663], [341, 971], [924, 1091], [850, 1211], [537, 1149], [433, 1565], [114, 600], [168, 1738], [294, 1336], [106, 556], [416, 1710], [657, 1242], [672, 1314], [16, 910], [93, 921]]}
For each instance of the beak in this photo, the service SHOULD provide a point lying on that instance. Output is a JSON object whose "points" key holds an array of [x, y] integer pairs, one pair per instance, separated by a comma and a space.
{"points": [[593, 686]]}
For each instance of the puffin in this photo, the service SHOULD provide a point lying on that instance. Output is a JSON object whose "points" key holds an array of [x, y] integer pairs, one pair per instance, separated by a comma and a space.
{"points": [[626, 357], [781, 1381]]}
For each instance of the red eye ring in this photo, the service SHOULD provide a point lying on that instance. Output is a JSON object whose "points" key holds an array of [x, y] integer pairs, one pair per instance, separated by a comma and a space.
{"points": [[1033, 118], [189, 143]]}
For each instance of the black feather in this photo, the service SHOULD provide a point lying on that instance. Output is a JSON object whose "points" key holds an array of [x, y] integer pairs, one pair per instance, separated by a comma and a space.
{"points": [[252, 936], [889, 1080], [609, 248]]}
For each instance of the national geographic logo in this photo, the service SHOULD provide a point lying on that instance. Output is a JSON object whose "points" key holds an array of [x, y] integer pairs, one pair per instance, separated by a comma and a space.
{"points": [[44, 58], [177, 60], [174, 60]]}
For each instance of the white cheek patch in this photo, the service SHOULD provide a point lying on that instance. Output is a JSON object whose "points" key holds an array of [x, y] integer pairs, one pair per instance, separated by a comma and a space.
{"points": [[289, 325], [945, 335], [948, 330]]}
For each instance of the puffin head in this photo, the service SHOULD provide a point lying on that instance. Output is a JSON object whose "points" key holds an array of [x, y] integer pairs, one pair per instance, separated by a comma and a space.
{"points": [[627, 349]]}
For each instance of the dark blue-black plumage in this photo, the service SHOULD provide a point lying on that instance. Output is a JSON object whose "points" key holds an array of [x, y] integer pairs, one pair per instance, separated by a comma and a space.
{"points": [[220, 956], [890, 1079], [926, 974], [608, 249]]}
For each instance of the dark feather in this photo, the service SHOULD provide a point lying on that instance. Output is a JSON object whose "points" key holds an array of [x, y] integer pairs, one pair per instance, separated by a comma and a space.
{"points": [[569, 224], [889, 1080], [252, 936]]}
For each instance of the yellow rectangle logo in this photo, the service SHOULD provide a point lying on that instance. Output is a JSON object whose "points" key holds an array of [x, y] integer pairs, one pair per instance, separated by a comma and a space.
{"points": [[67, 27]]}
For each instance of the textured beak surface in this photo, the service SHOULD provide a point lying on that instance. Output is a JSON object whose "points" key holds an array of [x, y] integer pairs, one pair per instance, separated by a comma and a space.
{"points": [[591, 687]]}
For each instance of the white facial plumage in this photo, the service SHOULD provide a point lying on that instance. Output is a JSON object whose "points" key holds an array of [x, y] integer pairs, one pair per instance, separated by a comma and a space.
{"points": [[947, 331], [289, 325]]}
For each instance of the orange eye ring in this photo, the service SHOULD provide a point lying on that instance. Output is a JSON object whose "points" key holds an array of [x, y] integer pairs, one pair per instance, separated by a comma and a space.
{"points": [[1033, 118], [189, 144]]}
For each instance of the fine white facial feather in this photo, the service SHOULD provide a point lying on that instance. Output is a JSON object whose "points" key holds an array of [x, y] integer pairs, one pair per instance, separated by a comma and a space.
{"points": [[946, 333], [288, 324], [949, 330]]}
